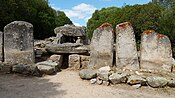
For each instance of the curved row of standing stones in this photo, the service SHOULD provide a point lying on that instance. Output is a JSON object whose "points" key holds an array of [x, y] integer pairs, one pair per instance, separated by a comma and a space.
{"points": [[155, 50]]}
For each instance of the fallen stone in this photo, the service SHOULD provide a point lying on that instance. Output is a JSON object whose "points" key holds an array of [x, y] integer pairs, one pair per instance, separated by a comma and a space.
{"points": [[93, 81], [45, 69], [5, 68], [26, 69], [57, 58], [171, 83], [103, 73], [156, 82], [88, 74], [135, 79], [117, 78], [49, 63]]}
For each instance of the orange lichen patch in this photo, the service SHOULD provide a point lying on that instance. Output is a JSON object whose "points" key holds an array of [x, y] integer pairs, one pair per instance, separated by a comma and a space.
{"points": [[105, 25], [124, 25], [148, 32], [160, 35]]}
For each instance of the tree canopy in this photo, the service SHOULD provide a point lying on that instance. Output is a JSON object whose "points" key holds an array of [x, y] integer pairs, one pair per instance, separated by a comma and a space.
{"points": [[37, 12], [142, 17]]}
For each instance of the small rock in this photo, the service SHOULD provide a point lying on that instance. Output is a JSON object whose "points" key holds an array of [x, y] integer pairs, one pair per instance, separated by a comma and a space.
{"points": [[103, 73], [106, 83], [117, 78], [137, 86], [135, 79], [171, 83], [49, 70], [156, 82], [99, 81], [88, 74], [93, 81], [57, 59]]}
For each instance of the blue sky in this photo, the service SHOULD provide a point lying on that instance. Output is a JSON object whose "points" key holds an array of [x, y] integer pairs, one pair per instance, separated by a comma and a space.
{"points": [[79, 11]]}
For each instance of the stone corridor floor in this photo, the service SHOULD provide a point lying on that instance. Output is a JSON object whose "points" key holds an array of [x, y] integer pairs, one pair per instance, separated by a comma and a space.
{"points": [[67, 84]]}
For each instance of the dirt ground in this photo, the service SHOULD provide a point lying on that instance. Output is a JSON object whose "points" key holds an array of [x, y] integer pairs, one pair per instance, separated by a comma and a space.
{"points": [[67, 84]]}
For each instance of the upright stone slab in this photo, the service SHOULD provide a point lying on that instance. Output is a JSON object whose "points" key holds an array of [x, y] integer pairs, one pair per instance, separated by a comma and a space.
{"points": [[101, 47], [126, 51], [1, 46], [155, 50], [18, 42]]}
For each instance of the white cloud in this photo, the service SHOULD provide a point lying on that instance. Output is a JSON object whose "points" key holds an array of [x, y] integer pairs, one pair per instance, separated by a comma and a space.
{"points": [[80, 11]]}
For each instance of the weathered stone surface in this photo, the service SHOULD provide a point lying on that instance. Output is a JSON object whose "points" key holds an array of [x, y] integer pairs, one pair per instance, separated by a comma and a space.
{"points": [[74, 61], [88, 74], [135, 79], [155, 51], [70, 30], [156, 82], [103, 73], [57, 58], [44, 69], [102, 47], [171, 83], [49, 63], [5, 68], [84, 61], [1, 46], [117, 78], [126, 51], [84, 64], [26, 69], [18, 42], [67, 48]]}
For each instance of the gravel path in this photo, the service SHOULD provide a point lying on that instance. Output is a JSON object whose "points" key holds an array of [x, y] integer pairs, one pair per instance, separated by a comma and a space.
{"points": [[67, 84]]}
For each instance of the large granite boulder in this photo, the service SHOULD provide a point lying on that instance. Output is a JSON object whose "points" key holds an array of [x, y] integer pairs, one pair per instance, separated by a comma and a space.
{"points": [[18, 43], [26, 69], [117, 78], [70, 30], [101, 46], [88, 74], [136, 79], [126, 51], [155, 51], [156, 82]]}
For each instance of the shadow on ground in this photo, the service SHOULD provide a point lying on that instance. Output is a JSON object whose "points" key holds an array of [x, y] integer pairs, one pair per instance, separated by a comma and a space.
{"points": [[15, 86]]}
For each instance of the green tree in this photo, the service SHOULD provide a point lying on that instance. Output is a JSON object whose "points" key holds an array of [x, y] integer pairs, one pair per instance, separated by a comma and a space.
{"points": [[37, 12], [142, 17]]}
